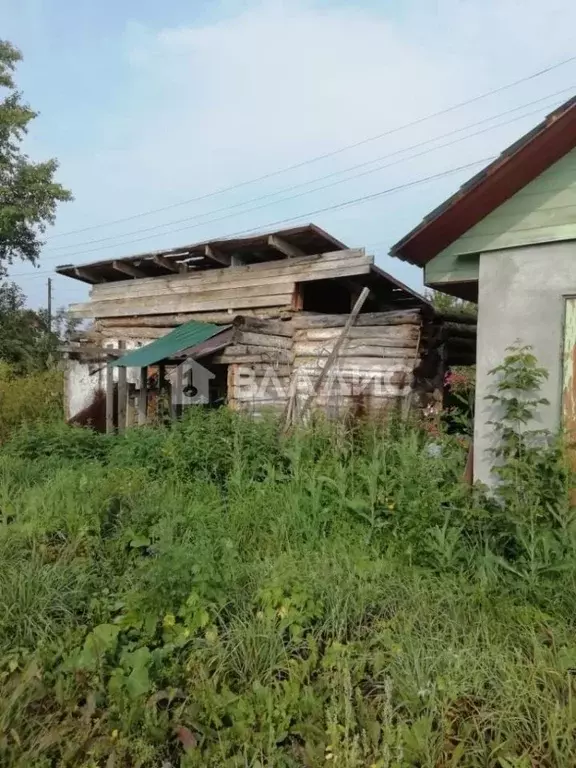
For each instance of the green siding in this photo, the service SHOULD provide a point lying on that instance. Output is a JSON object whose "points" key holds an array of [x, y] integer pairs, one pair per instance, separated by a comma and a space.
{"points": [[452, 268], [544, 211]]}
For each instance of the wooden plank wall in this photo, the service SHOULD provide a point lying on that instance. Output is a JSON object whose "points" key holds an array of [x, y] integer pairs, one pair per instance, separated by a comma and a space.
{"points": [[282, 360], [260, 365], [373, 370], [234, 289]]}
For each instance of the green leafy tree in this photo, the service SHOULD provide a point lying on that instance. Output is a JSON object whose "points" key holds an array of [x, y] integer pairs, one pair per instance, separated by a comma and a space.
{"points": [[443, 302], [28, 193], [27, 343]]}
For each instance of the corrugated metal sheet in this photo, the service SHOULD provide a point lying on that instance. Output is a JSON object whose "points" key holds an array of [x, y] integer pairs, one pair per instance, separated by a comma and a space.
{"points": [[181, 338]]}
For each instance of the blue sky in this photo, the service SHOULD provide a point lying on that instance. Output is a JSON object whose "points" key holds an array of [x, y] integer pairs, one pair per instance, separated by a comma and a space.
{"points": [[150, 104]]}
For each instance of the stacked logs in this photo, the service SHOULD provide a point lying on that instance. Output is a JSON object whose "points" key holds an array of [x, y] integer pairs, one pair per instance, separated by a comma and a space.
{"points": [[373, 368], [259, 361]]}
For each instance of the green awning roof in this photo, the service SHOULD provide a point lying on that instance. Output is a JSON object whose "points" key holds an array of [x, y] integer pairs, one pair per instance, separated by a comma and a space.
{"points": [[180, 339]]}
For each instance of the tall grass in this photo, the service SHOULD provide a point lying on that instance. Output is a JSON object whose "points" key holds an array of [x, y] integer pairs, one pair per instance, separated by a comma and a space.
{"points": [[34, 398], [209, 594]]}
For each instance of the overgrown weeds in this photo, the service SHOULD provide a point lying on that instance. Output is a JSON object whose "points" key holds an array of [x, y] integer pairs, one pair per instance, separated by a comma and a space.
{"points": [[209, 594]]}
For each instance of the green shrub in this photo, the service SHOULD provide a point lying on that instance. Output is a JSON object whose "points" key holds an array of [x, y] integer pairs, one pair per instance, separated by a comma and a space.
{"points": [[58, 442], [28, 399]]}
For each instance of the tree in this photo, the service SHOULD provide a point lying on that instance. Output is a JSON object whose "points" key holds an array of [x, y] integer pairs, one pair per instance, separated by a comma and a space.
{"points": [[28, 193], [26, 342], [443, 302]]}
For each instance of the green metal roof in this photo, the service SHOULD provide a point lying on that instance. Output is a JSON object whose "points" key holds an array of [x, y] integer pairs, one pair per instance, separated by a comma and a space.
{"points": [[181, 338]]}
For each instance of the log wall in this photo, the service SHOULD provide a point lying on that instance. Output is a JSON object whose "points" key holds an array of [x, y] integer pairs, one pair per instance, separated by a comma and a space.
{"points": [[275, 365], [372, 371], [393, 359]]}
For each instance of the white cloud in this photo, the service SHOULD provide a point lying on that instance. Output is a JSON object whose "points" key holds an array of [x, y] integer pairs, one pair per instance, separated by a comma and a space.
{"points": [[272, 83]]}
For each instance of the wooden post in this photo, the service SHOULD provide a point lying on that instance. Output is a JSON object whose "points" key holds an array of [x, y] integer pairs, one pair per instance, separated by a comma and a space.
{"points": [[177, 387], [297, 304], [122, 393], [130, 405], [109, 399], [160, 410], [143, 397]]}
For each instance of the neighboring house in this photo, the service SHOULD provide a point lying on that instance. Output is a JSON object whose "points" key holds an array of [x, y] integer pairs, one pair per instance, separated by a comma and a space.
{"points": [[263, 315], [507, 240]]}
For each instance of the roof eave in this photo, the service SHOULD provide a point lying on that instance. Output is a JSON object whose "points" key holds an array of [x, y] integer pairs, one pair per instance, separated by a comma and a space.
{"points": [[516, 167]]}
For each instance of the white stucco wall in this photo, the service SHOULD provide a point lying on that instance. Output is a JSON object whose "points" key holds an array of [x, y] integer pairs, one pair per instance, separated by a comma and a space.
{"points": [[83, 380], [521, 294]]}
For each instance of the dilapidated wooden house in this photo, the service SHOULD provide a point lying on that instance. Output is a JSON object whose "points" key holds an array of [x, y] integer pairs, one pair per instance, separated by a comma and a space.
{"points": [[283, 321]]}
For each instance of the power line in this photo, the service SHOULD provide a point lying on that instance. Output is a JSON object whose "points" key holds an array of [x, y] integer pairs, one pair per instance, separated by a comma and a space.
{"points": [[284, 199], [326, 155], [346, 203], [328, 176], [363, 199]]}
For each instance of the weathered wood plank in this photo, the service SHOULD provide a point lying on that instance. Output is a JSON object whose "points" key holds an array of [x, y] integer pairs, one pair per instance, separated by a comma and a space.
{"points": [[86, 274], [370, 334], [267, 354], [132, 290], [353, 364], [162, 261], [297, 270], [177, 304], [109, 399], [127, 269], [401, 317], [213, 254], [220, 318], [243, 359], [276, 328], [143, 396], [356, 349], [261, 270], [261, 370], [284, 247], [122, 394], [215, 292], [250, 338], [130, 333]]}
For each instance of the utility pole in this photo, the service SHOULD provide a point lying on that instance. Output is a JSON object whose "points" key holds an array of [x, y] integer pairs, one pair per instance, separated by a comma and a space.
{"points": [[49, 305]]}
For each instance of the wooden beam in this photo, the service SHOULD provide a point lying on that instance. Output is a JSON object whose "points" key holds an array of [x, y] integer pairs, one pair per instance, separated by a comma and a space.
{"points": [[213, 254], [162, 261], [279, 244], [161, 384], [143, 397], [177, 392], [109, 399], [297, 304], [122, 393], [86, 274], [128, 269], [265, 269]]}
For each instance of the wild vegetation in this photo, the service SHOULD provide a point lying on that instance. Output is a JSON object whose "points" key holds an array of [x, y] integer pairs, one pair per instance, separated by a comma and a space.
{"points": [[212, 594], [29, 195]]}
